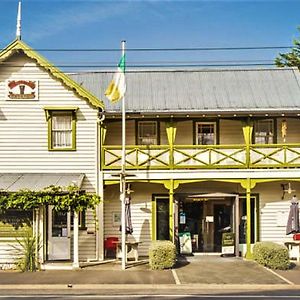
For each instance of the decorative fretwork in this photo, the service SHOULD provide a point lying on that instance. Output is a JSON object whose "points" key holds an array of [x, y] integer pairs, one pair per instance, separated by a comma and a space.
{"points": [[137, 157], [274, 156], [209, 157], [203, 157]]}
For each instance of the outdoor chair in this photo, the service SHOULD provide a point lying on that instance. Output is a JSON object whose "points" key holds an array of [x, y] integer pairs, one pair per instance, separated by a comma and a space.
{"points": [[110, 246]]}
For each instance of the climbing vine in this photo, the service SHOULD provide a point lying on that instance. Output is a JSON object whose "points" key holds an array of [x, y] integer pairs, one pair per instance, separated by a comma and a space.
{"points": [[70, 198]]}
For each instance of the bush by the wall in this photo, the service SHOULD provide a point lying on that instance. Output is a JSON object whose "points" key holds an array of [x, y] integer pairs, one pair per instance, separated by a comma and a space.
{"points": [[162, 255], [271, 255]]}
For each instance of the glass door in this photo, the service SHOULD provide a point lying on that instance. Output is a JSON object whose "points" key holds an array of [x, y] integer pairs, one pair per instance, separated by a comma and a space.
{"points": [[162, 219], [59, 235]]}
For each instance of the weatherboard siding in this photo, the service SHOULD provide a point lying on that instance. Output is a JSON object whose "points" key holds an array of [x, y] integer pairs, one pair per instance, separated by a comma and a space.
{"points": [[141, 212], [24, 133], [24, 128]]}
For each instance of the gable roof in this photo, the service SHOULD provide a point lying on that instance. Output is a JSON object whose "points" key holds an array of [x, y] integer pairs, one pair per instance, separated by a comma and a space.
{"points": [[202, 91], [18, 45]]}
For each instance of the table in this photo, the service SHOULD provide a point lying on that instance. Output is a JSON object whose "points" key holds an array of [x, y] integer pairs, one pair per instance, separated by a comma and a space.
{"points": [[292, 252], [131, 249]]}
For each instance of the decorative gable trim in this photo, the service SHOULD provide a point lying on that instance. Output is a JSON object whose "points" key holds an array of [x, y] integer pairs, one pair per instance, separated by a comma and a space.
{"points": [[19, 45]]}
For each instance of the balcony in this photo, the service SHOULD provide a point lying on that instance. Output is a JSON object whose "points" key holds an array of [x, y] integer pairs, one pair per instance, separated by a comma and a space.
{"points": [[157, 157]]}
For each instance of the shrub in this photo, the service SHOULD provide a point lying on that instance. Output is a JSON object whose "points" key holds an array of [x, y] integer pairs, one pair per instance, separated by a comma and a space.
{"points": [[162, 255], [271, 255], [26, 253]]}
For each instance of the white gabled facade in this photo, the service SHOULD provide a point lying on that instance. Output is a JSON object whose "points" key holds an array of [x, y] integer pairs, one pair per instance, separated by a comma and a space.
{"points": [[24, 136]]}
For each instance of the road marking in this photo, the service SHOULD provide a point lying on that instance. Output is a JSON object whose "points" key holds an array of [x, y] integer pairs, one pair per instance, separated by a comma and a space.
{"points": [[281, 277], [177, 281]]}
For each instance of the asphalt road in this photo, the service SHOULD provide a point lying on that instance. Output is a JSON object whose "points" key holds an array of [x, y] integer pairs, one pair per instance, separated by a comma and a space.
{"points": [[277, 295]]}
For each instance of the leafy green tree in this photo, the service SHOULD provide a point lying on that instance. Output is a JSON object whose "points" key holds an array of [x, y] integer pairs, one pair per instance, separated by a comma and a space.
{"points": [[290, 59]]}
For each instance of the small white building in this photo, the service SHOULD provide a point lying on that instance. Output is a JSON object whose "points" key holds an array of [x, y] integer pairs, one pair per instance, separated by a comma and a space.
{"points": [[48, 136]]}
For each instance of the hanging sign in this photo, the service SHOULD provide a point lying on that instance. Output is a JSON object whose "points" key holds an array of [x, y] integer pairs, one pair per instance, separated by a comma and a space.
{"points": [[22, 89], [182, 218]]}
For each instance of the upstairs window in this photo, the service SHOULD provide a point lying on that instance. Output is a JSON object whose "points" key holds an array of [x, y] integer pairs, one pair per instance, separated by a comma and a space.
{"points": [[61, 129], [147, 133], [206, 133], [264, 131]]}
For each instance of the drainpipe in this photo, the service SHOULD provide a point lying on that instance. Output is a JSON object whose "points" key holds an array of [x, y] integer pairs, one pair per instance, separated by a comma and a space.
{"points": [[99, 188]]}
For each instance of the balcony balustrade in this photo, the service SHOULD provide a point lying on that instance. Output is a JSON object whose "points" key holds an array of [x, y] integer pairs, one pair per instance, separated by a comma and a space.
{"points": [[201, 157]]}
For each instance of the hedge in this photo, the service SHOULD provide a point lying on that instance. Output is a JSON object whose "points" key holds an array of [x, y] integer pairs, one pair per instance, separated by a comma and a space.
{"points": [[162, 255], [271, 255]]}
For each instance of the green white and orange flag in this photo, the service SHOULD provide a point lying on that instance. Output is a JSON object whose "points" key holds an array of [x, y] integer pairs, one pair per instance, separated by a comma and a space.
{"points": [[117, 87]]}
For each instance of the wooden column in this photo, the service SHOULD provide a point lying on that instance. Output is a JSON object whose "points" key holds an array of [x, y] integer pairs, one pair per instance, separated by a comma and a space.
{"points": [[248, 185], [171, 134], [236, 226], [75, 241], [247, 131]]}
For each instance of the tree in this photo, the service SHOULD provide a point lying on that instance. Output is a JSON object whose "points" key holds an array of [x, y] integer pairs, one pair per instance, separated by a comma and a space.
{"points": [[290, 59]]}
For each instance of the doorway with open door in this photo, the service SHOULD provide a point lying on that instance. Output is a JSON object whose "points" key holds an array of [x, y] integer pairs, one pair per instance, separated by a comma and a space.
{"points": [[206, 219]]}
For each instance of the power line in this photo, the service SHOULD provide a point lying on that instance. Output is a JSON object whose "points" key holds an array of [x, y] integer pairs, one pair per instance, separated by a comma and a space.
{"points": [[160, 49]]}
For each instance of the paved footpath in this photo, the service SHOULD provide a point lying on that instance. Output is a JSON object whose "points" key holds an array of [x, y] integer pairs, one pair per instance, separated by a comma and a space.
{"points": [[191, 275]]}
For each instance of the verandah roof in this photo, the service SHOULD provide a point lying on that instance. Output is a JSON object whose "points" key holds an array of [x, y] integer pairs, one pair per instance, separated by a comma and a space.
{"points": [[13, 182]]}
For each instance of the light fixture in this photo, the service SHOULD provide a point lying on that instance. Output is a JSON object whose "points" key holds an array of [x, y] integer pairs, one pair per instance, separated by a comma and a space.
{"points": [[286, 188]]}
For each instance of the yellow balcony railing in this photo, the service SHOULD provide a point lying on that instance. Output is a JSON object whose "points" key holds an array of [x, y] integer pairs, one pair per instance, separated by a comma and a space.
{"points": [[200, 157]]}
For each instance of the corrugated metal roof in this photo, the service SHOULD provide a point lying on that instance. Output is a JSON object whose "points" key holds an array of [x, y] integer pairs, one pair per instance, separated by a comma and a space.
{"points": [[223, 90], [13, 182]]}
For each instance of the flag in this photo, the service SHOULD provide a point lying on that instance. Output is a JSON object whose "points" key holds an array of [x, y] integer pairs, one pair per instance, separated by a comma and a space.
{"points": [[117, 86]]}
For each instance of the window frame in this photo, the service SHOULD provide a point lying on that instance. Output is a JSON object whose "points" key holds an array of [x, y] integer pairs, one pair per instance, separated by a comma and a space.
{"points": [[50, 111], [216, 131], [274, 131], [138, 122]]}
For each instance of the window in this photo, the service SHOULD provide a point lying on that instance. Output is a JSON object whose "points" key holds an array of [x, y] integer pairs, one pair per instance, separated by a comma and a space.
{"points": [[147, 133], [264, 131], [81, 220], [61, 129], [162, 219], [206, 133]]}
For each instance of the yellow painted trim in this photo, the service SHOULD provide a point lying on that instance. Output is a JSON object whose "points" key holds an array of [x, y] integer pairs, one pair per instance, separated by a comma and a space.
{"points": [[18, 45], [171, 211], [153, 220]]}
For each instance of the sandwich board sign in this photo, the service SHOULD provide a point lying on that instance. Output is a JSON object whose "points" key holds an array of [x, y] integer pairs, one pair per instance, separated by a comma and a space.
{"points": [[228, 243]]}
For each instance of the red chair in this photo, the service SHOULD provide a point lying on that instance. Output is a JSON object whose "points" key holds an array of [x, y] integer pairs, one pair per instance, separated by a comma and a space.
{"points": [[110, 245]]}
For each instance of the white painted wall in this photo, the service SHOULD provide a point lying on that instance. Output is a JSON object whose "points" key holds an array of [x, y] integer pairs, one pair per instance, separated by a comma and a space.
{"points": [[24, 133], [141, 212]]}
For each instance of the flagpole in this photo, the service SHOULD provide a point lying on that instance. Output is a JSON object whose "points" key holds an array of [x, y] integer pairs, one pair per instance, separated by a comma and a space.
{"points": [[123, 177]]}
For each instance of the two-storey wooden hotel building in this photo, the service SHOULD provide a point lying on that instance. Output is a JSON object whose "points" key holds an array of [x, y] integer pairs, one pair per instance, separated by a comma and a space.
{"points": [[206, 151]]}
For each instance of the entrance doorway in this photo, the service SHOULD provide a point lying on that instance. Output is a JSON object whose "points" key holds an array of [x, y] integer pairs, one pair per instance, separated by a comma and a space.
{"points": [[206, 220], [59, 234]]}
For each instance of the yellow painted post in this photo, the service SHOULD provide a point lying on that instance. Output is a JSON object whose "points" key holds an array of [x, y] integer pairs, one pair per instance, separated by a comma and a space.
{"points": [[248, 185], [171, 211], [247, 131], [171, 134]]}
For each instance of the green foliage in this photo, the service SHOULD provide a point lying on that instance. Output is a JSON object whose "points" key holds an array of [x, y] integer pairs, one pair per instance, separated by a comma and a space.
{"points": [[71, 198], [290, 59], [162, 255], [271, 255], [26, 251]]}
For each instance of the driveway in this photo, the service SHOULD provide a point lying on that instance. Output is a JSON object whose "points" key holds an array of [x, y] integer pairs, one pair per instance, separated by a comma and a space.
{"points": [[223, 270]]}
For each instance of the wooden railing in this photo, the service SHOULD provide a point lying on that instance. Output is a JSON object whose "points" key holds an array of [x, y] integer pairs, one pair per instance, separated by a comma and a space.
{"points": [[200, 157]]}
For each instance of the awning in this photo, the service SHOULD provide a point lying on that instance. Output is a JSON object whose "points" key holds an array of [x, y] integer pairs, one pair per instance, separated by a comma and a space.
{"points": [[13, 182]]}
